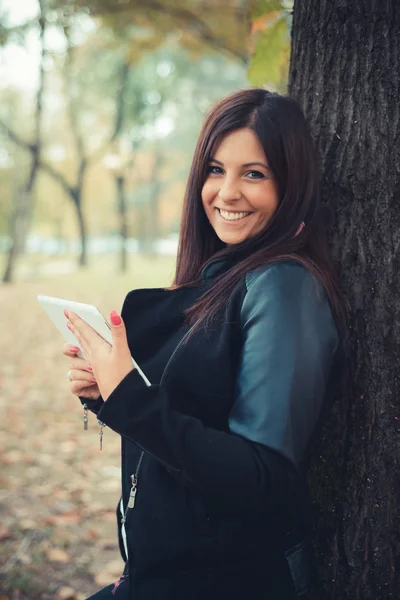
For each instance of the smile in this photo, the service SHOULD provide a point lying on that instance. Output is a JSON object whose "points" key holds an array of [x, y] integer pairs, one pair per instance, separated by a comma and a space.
{"points": [[232, 216]]}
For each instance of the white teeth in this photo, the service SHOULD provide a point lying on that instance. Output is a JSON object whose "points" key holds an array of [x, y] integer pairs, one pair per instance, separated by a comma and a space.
{"points": [[229, 216]]}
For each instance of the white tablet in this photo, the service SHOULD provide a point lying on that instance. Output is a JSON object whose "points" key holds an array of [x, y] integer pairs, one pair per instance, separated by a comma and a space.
{"points": [[54, 307]]}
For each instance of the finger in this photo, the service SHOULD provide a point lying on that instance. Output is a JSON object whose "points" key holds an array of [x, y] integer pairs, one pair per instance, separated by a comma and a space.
{"points": [[81, 375], [69, 350], [82, 365], [85, 334], [76, 332], [118, 332], [83, 343], [79, 384], [81, 388]]}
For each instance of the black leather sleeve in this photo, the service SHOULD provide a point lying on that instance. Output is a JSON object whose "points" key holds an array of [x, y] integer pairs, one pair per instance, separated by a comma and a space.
{"points": [[290, 339], [286, 356]]}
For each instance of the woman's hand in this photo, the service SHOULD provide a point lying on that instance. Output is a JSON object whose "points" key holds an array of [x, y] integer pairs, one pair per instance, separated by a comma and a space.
{"points": [[110, 364], [82, 382]]}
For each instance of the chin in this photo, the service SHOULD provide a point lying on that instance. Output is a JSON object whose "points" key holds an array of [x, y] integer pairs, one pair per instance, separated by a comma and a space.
{"points": [[231, 240]]}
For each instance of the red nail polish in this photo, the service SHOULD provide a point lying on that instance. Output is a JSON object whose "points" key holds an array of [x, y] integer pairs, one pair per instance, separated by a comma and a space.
{"points": [[74, 349], [66, 313], [115, 318], [69, 325], [90, 368]]}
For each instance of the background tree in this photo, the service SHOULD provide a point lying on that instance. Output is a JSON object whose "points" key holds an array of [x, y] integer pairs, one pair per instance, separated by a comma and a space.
{"points": [[74, 85], [21, 211], [209, 23], [120, 39], [344, 72]]}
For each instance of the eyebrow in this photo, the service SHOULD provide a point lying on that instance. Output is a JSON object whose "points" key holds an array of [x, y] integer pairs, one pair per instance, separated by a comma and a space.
{"points": [[250, 164]]}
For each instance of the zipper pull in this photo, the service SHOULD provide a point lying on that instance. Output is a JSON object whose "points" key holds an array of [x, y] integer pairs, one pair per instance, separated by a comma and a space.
{"points": [[102, 425], [85, 417], [132, 494]]}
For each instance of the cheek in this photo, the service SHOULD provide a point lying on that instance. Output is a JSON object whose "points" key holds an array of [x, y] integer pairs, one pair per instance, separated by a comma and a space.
{"points": [[207, 193], [266, 201]]}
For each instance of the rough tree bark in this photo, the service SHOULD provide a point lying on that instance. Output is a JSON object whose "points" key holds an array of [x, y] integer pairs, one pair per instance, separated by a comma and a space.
{"points": [[345, 73]]}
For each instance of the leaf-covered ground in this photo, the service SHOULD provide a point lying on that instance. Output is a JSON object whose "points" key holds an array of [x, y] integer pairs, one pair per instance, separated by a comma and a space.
{"points": [[58, 492]]}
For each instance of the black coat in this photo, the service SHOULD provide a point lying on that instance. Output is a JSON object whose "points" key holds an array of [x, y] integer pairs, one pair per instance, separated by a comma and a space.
{"points": [[218, 443]]}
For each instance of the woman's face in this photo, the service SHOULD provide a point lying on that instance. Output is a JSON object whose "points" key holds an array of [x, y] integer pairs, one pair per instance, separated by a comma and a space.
{"points": [[239, 195]]}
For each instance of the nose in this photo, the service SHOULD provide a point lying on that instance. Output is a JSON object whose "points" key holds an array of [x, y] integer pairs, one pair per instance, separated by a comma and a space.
{"points": [[229, 191]]}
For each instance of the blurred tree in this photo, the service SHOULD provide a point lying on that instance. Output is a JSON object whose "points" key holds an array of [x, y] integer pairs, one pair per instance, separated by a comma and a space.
{"points": [[177, 89], [22, 205], [216, 24], [344, 73], [73, 97], [122, 41], [13, 161]]}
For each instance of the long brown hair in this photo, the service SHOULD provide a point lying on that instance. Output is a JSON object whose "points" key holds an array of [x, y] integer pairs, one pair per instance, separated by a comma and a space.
{"points": [[283, 133]]}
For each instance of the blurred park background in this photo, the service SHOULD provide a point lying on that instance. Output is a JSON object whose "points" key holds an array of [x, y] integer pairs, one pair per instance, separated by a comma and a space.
{"points": [[101, 103]]}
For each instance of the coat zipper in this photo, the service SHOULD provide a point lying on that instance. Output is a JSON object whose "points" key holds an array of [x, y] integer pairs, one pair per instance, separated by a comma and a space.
{"points": [[134, 476]]}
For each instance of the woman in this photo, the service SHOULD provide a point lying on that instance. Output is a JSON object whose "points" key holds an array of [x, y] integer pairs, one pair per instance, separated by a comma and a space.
{"points": [[241, 353]]}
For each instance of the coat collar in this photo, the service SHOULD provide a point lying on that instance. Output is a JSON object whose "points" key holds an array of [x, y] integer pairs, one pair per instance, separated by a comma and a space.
{"points": [[214, 268]]}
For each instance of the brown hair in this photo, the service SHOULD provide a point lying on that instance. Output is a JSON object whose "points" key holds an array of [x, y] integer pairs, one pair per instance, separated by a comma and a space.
{"points": [[283, 133]]}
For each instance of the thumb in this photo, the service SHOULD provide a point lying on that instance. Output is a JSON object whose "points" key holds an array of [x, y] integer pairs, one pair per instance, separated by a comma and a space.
{"points": [[118, 330]]}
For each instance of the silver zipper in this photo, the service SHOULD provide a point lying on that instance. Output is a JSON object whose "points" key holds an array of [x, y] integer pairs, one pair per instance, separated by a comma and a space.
{"points": [[132, 493], [134, 476]]}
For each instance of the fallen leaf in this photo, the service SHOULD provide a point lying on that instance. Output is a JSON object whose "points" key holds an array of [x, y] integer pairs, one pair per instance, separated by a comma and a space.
{"points": [[112, 571], [26, 524], [57, 555], [4, 534], [12, 456], [63, 519], [91, 534], [66, 593]]}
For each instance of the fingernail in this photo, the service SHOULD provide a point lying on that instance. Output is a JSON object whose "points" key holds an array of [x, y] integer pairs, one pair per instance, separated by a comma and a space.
{"points": [[115, 318], [73, 349], [90, 368], [94, 378], [66, 313], [69, 325]]}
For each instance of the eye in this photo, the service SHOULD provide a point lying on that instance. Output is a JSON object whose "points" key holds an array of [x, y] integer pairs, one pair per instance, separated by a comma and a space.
{"points": [[214, 170], [256, 175]]}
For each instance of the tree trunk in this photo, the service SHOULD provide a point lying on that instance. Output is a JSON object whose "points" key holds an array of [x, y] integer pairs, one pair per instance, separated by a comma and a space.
{"points": [[23, 207], [20, 220], [153, 209], [120, 184], [345, 73], [77, 199]]}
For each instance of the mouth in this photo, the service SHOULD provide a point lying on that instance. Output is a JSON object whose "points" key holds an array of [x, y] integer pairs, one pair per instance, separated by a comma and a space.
{"points": [[233, 216]]}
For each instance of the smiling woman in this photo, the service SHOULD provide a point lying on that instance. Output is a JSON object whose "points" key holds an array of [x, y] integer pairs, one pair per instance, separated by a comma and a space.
{"points": [[240, 195], [242, 352]]}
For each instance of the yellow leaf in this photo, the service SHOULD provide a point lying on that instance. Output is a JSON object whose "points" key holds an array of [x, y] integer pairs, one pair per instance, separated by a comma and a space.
{"points": [[57, 555], [270, 60], [263, 22]]}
